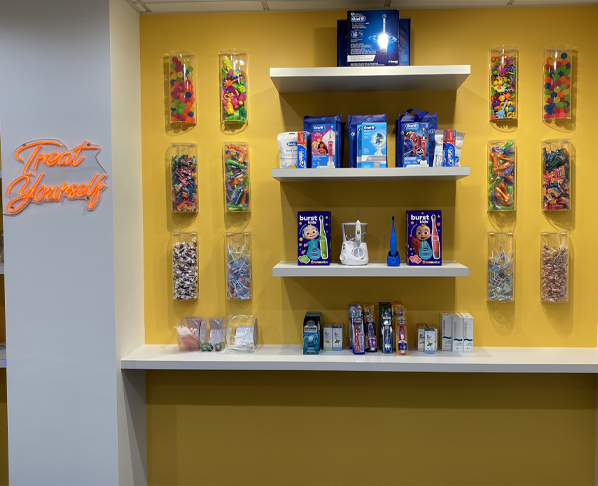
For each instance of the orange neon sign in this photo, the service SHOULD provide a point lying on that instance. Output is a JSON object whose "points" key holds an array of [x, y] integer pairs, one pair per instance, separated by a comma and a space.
{"points": [[29, 187]]}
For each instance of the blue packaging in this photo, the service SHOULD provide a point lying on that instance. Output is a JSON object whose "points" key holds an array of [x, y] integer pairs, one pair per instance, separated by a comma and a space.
{"points": [[372, 152], [341, 42], [324, 140], [415, 138], [404, 42], [423, 238], [311, 333], [313, 238], [354, 122], [302, 152], [373, 38]]}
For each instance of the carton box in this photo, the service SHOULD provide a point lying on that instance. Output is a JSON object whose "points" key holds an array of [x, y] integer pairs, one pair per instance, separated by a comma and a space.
{"points": [[446, 330], [457, 333], [467, 333]]}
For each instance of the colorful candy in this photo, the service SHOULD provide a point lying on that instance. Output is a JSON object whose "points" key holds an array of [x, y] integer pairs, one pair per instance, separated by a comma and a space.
{"points": [[501, 267], [501, 175], [238, 266], [557, 83], [236, 176], [233, 90], [183, 170], [184, 265], [503, 82], [554, 265], [182, 89], [556, 170]]}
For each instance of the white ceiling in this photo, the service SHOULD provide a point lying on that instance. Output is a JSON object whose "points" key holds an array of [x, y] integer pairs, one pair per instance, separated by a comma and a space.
{"points": [[184, 6]]}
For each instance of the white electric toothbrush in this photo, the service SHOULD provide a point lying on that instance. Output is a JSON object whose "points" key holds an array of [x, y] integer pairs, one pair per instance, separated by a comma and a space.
{"points": [[383, 37]]}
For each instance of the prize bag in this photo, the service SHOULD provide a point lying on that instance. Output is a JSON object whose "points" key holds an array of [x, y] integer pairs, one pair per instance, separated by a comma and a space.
{"points": [[415, 138]]}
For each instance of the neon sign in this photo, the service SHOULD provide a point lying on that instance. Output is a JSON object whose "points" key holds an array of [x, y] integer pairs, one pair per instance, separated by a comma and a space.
{"points": [[29, 187]]}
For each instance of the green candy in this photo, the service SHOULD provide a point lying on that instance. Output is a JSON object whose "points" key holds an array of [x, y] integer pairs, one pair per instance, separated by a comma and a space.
{"points": [[566, 97], [546, 91], [563, 86], [172, 65]]}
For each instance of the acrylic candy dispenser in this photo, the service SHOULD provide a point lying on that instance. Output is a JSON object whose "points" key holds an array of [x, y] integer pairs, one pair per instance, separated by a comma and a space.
{"points": [[184, 265], [182, 88], [554, 267], [188, 333], [501, 267], [242, 334], [557, 85], [556, 175], [233, 90], [238, 266], [503, 83], [212, 334], [502, 155], [235, 159], [183, 172]]}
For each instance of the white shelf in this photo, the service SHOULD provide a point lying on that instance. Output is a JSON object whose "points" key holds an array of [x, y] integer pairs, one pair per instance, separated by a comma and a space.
{"points": [[350, 79], [372, 269], [290, 357], [388, 174]]}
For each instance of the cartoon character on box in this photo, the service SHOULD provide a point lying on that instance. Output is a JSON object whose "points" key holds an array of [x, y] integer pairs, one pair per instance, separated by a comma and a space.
{"points": [[423, 237], [313, 238]]}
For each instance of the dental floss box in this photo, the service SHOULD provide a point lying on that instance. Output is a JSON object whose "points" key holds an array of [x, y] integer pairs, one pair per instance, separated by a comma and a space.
{"points": [[371, 145], [421, 337], [287, 147], [311, 333], [467, 333], [457, 333], [431, 339], [313, 238], [328, 337], [337, 336], [373, 38], [446, 328]]}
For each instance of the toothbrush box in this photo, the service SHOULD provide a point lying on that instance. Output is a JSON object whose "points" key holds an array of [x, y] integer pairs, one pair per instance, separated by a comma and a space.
{"points": [[404, 42], [423, 238], [371, 146], [323, 146], [373, 38], [313, 238], [311, 333]]}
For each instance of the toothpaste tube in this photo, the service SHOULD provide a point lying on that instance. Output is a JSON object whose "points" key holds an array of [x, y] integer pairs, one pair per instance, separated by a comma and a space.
{"points": [[452, 141], [438, 137], [302, 138]]}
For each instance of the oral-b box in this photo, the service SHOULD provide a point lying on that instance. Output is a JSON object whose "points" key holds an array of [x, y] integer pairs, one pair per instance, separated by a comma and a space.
{"points": [[371, 146], [446, 329], [423, 237], [373, 38], [302, 154], [457, 333], [417, 151], [313, 238], [467, 333], [404, 41]]}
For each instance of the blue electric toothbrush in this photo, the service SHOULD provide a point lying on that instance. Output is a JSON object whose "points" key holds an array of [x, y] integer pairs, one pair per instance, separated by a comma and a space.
{"points": [[393, 259]]}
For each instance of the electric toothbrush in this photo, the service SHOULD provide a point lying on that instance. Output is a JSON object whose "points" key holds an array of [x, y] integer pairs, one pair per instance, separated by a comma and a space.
{"points": [[393, 259]]}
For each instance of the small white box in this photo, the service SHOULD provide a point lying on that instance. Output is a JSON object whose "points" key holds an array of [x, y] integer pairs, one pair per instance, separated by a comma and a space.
{"points": [[328, 338], [337, 337], [467, 333], [457, 339], [431, 339], [421, 337], [446, 328]]}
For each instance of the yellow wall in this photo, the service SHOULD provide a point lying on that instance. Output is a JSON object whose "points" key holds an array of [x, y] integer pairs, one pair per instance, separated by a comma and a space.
{"points": [[524, 429]]}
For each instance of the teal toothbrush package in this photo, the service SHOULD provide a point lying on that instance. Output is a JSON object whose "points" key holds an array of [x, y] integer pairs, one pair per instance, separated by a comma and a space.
{"points": [[313, 237], [324, 140], [356, 124]]}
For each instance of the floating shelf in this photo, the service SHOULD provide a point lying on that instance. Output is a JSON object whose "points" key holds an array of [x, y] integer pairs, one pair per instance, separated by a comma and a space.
{"points": [[388, 174], [350, 79], [290, 357], [372, 269]]}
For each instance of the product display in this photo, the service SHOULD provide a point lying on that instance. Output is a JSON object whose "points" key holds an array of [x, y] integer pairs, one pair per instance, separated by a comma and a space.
{"points": [[556, 175], [373, 38], [188, 333], [238, 266], [212, 334], [415, 139], [356, 330], [184, 265], [311, 332], [324, 140], [183, 170], [371, 335], [242, 334], [387, 331], [554, 267], [400, 324], [182, 86], [233, 90], [557, 89], [501, 175], [501, 267], [503, 82], [313, 237], [393, 259], [423, 242], [354, 126], [355, 249], [235, 157]]}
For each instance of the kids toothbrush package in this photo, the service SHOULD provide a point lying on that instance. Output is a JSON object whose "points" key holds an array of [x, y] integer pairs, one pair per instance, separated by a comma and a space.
{"points": [[415, 139], [354, 123], [313, 237], [324, 140], [356, 331], [424, 237]]}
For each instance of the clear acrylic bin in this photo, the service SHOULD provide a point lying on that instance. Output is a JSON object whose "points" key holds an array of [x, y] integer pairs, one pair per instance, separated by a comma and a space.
{"points": [[501, 267], [184, 265], [554, 267], [557, 89], [233, 90], [188, 333], [556, 175], [235, 159], [242, 334], [183, 172], [182, 88], [503, 83], [502, 155], [238, 266], [212, 335]]}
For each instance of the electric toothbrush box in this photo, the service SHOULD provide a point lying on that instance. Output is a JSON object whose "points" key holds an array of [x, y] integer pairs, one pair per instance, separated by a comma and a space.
{"points": [[373, 38], [423, 243], [371, 145], [313, 238]]}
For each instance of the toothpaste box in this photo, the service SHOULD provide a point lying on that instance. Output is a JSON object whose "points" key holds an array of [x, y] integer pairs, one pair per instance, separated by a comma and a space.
{"points": [[446, 329], [457, 333], [313, 238], [302, 138], [373, 38], [431, 339], [371, 145], [423, 238], [328, 337], [467, 333], [311, 333], [421, 337], [337, 336]]}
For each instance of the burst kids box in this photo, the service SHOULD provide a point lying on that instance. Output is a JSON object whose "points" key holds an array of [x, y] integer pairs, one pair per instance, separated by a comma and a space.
{"points": [[313, 237], [423, 241]]}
